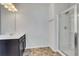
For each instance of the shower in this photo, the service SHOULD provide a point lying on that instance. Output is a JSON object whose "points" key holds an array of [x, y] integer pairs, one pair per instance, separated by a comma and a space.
{"points": [[69, 31]]}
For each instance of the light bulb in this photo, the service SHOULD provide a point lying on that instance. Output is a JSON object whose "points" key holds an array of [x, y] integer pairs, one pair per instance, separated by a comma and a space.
{"points": [[16, 10], [9, 9], [5, 6], [12, 6]]}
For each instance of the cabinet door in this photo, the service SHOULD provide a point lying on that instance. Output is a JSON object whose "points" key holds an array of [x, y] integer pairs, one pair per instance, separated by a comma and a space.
{"points": [[12, 47], [21, 48], [21, 45], [24, 42]]}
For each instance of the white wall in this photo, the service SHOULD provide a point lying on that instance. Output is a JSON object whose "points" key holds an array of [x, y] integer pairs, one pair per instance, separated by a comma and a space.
{"points": [[52, 34], [51, 11], [33, 19]]}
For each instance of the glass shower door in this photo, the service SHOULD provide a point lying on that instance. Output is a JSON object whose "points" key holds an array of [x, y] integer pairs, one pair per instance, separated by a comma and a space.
{"points": [[78, 26], [67, 31]]}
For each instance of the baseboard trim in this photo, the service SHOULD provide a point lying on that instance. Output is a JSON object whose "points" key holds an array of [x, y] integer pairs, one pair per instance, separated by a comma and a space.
{"points": [[36, 47], [58, 51], [62, 54], [53, 49]]}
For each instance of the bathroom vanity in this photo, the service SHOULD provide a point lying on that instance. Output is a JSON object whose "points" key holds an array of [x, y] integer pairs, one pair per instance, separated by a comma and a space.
{"points": [[12, 44]]}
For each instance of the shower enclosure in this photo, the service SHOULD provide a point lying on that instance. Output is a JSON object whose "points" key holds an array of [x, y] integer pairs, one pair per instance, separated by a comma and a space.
{"points": [[69, 31]]}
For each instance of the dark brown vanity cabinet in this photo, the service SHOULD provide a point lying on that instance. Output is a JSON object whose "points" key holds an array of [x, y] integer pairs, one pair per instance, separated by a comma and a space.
{"points": [[12, 47]]}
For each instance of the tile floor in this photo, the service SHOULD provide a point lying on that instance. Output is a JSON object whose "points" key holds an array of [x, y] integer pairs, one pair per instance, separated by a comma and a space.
{"points": [[46, 51]]}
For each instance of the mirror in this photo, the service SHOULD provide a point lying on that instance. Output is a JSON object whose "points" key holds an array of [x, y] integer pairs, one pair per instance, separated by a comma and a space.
{"points": [[7, 21]]}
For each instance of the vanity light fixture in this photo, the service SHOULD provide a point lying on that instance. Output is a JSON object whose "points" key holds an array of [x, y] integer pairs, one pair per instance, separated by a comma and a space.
{"points": [[11, 7]]}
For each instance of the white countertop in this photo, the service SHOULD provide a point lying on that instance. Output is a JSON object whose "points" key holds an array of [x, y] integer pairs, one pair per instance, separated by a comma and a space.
{"points": [[11, 36]]}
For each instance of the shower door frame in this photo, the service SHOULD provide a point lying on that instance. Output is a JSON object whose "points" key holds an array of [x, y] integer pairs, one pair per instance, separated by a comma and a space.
{"points": [[75, 25]]}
